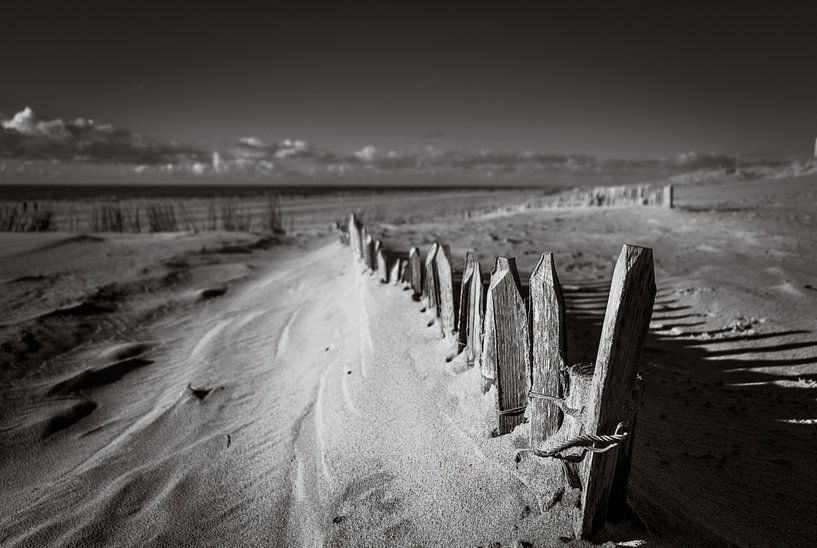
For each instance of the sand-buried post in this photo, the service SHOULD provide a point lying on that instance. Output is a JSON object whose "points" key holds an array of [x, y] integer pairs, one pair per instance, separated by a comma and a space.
{"points": [[476, 313], [430, 281], [465, 296], [371, 256], [394, 273], [415, 268], [668, 195], [548, 349], [445, 287], [626, 322], [507, 350], [354, 236], [382, 271]]}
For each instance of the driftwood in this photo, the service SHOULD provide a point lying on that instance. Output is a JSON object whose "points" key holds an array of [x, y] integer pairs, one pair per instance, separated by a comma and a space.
{"points": [[430, 281], [445, 287], [415, 269], [510, 342], [463, 326], [548, 349], [626, 322]]}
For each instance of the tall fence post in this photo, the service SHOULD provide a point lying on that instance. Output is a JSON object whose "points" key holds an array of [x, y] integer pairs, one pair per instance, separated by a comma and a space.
{"points": [[626, 322], [445, 286], [416, 272], [510, 344], [464, 327], [430, 281], [548, 350]]}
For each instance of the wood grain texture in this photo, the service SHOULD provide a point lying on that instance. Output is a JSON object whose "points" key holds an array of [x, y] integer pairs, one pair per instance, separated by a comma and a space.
{"points": [[548, 348], [445, 287], [512, 344], [488, 354], [617, 505], [430, 281], [577, 394], [476, 313], [626, 322], [463, 326], [415, 268]]}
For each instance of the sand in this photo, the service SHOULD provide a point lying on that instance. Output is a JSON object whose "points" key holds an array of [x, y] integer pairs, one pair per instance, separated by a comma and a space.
{"points": [[228, 389]]}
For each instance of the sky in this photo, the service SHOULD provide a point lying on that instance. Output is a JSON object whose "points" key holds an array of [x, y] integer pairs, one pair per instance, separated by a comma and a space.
{"points": [[305, 91]]}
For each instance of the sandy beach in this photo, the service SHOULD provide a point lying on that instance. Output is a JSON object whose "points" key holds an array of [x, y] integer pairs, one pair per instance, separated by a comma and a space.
{"points": [[236, 389]]}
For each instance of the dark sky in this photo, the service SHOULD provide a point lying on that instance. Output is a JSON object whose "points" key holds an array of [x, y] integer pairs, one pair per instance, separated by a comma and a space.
{"points": [[610, 79]]}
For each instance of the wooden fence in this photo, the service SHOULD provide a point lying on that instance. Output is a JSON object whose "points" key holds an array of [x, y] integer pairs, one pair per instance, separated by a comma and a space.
{"points": [[520, 347], [578, 198]]}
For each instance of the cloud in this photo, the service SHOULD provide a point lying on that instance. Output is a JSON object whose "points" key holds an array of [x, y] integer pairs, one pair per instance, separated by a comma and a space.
{"points": [[31, 142], [367, 153], [29, 136]]}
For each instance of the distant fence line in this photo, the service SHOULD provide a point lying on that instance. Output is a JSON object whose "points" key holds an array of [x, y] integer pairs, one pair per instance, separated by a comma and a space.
{"points": [[142, 215], [602, 196], [520, 348]]}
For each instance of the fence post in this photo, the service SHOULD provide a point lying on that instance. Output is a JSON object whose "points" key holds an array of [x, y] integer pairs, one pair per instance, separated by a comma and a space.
{"points": [[370, 253], [445, 287], [465, 299], [509, 345], [548, 349], [430, 281], [668, 196], [626, 322], [416, 272], [382, 272], [354, 236], [394, 274], [476, 312]]}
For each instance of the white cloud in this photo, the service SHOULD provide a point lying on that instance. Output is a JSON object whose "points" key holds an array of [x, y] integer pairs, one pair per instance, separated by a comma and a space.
{"points": [[367, 153]]}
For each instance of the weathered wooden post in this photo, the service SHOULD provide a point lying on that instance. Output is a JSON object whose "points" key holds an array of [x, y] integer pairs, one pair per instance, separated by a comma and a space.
{"points": [[626, 322], [354, 236], [371, 255], [506, 352], [476, 312], [668, 196], [445, 287], [394, 274], [364, 245], [382, 272], [430, 281], [416, 272], [548, 350], [465, 301]]}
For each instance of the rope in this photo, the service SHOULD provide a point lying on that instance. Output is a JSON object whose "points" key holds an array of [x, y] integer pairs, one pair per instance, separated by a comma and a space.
{"points": [[587, 442]]}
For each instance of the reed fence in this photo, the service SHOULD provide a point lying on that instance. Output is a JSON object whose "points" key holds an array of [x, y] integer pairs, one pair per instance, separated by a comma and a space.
{"points": [[582, 414]]}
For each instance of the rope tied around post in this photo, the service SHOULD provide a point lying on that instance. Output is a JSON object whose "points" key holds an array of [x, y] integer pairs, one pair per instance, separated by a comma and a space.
{"points": [[587, 442]]}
